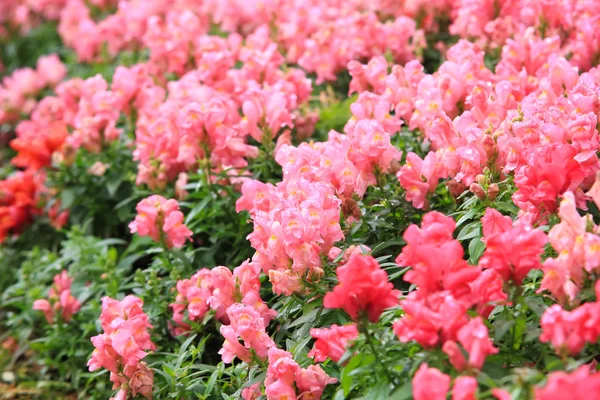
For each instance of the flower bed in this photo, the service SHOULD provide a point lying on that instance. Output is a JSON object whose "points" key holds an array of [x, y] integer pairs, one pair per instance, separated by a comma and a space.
{"points": [[279, 199]]}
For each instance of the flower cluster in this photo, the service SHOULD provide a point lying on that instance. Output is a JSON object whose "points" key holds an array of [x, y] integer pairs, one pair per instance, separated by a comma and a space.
{"points": [[579, 383], [176, 34], [569, 331], [246, 324], [295, 223], [576, 241], [19, 90], [228, 91], [511, 250], [192, 295], [436, 312], [161, 220], [522, 120], [286, 379], [363, 289], [332, 342], [123, 345], [60, 300], [19, 195], [218, 289]]}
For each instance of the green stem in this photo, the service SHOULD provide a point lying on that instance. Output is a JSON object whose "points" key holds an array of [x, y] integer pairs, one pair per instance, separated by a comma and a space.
{"points": [[164, 255], [363, 327]]}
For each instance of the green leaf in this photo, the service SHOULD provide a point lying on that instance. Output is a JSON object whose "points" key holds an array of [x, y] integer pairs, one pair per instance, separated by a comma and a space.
{"points": [[501, 327], [308, 317], [381, 390], [476, 248], [403, 393], [536, 304], [113, 184], [67, 198], [210, 385], [386, 244], [470, 231]]}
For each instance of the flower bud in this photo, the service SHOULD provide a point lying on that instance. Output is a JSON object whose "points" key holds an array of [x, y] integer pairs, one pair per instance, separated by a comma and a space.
{"points": [[98, 169], [350, 208], [489, 146], [481, 179], [455, 188], [180, 192], [142, 380], [478, 190], [493, 191]]}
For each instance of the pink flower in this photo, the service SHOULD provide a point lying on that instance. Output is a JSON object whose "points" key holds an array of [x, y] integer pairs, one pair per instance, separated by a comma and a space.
{"points": [[494, 223], [311, 381], [252, 392], [594, 191], [69, 305], [465, 388], [294, 223], [514, 252], [123, 344], [46, 307], [578, 384], [51, 69], [280, 390], [370, 77], [419, 178], [283, 373], [569, 331], [232, 347], [142, 381], [426, 246], [192, 295], [474, 338], [332, 342], [363, 288], [60, 300], [430, 320], [248, 325], [430, 384], [487, 291], [501, 394], [161, 219], [182, 180]]}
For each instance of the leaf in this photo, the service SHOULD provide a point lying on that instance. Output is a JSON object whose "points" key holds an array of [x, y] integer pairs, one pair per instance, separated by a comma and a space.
{"points": [[381, 390], [387, 244], [112, 242], [113, 184], [536, 304], [469, 231], [519, 331], [179, 254], [403, 393], [467, 216], [183, 355], [308, 317], [501, 327], [210, 385], [476, 248], [67, 198], [346, 379]]}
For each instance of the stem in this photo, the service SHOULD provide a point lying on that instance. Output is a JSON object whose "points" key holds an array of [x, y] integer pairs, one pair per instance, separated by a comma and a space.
{"points": [[164, 255], [363, 327]]}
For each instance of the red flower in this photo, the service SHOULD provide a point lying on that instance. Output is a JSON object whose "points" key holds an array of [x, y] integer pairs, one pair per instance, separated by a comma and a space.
{"points": [[36, 142], [363, 287], [332, 342], [513, 252], [430, 384]]}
